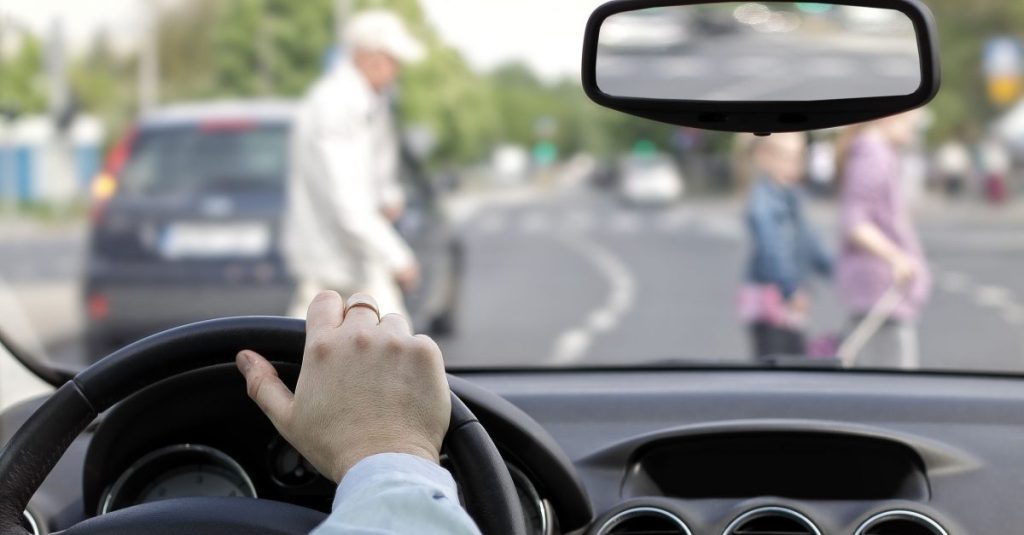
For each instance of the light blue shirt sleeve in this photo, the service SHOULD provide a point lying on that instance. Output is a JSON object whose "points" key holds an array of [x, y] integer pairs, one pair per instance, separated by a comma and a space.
{"points": [[397, 494]]}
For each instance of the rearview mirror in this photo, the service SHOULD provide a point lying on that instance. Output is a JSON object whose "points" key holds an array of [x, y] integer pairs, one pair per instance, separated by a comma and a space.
{"points": [[761, 66]]}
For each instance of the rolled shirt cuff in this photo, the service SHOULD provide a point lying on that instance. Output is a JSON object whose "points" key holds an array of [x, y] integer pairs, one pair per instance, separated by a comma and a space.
{"points": [[390, 466]]}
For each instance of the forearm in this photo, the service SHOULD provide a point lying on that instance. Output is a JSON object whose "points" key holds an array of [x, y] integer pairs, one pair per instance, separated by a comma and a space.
{"points": [[868, 237]]}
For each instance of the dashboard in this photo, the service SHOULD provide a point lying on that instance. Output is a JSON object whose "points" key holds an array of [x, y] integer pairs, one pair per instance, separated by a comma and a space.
{"points": [[614, 452]]}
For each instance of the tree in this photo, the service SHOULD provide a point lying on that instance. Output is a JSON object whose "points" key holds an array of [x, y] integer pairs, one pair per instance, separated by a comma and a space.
{"points": [[269, 47], [103, 83], [963, 31], [22, 90]]}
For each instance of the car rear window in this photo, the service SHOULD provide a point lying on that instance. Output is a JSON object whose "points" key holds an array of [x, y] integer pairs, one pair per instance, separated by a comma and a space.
{"points": [[207, 157]]}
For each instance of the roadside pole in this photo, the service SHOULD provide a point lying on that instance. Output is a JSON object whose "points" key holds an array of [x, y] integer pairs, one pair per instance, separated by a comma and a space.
{"points": [[149, 61]]}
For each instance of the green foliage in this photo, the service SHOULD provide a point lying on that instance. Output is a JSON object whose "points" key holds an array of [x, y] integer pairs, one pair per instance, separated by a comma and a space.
{"points": [[249, 48], [184, 46], [268, 47], [964, 28], [105, 84], [23, 89]]}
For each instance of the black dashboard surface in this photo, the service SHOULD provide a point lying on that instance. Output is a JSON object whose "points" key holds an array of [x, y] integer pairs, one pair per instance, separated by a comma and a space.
{"points": [[957, 438]]}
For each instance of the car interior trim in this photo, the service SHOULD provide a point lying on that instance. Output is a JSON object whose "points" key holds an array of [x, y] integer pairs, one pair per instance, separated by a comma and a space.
{"points": [[900, 514], [33, 524], [152, 457], [540, 504], [633, 512], [769, 510]]}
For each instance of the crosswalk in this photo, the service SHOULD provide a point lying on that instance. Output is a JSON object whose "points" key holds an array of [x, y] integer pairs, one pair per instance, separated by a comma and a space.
{"points": [[620, 222]]}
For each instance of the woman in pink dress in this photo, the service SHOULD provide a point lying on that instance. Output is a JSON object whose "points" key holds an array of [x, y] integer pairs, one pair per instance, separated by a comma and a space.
{"points": [[880, 248]]}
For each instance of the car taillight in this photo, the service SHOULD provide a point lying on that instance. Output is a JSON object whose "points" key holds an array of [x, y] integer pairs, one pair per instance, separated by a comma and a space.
{"points": [[104, 186], [98, 306]]}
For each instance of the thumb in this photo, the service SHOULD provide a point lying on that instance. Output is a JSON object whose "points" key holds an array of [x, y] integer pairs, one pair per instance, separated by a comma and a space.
{"points": [[265, 387]]}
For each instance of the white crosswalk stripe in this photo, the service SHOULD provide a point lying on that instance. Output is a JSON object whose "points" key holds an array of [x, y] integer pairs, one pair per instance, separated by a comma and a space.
{"points": [[618, 222]]}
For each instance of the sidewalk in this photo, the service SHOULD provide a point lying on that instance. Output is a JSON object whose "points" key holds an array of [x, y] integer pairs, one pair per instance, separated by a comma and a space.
{"points": [[24, 227]]}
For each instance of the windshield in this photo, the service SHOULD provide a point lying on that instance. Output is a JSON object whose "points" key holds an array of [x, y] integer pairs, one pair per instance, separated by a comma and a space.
{"points": [[168, 162]]}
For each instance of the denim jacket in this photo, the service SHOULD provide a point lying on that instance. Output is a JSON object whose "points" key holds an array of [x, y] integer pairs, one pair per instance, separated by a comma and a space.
{"points": [[786, 250]]}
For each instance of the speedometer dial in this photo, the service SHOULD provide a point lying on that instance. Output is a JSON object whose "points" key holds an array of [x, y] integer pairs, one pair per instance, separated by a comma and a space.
{"points": [[181, 471], [194, 480]]}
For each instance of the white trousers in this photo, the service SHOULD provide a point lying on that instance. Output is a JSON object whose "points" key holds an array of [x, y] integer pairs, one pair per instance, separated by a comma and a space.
{"points": [[895, 345]]}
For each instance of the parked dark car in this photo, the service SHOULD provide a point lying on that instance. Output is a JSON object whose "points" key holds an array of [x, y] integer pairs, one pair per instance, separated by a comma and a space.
{"points": [[186, 218]]}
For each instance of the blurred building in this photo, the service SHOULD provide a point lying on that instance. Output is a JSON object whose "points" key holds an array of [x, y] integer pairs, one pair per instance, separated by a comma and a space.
{"points": [[39, 164]]}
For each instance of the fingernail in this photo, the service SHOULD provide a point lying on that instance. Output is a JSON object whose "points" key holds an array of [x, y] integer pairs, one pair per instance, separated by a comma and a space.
{"points": [[244, 361]]}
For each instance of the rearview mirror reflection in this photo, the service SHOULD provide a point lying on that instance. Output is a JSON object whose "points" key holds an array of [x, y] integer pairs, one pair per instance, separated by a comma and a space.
{"points": [[750, 51]]}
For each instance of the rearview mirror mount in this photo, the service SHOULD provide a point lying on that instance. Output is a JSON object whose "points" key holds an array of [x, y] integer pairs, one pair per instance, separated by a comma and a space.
{"points": [[761, 67]]}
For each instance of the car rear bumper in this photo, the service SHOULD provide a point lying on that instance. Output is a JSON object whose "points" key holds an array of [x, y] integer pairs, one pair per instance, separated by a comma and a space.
{"points": [[118, 314]]}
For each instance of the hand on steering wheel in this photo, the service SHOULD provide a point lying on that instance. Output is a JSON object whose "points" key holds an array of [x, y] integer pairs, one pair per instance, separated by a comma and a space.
{"points": [[366, 386], [490, 496]]}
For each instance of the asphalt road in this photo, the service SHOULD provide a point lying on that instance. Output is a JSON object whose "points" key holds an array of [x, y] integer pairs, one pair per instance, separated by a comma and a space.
{"points": [[761, 67], [578, 278], [581, 279]]}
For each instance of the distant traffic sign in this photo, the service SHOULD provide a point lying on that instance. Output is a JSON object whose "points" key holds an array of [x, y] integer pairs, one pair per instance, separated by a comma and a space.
{"points": [[1003, 66]]}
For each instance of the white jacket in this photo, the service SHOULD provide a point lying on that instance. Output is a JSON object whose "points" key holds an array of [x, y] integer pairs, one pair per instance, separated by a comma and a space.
{"points": [[343, 170]]}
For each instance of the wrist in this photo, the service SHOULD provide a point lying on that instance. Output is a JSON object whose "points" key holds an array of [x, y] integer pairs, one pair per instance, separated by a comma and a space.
{"points": [[896, 258], [351, 458]]}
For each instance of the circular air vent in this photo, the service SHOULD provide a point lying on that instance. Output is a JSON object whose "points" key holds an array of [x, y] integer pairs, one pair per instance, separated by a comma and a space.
{"points": [[644, 521], [900, 522], [30, 523], [771, 521]]}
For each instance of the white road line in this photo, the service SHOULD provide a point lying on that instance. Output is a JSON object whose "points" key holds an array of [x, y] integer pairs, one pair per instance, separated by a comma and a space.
{"points": [[602, 320], [985, 296], [992, 297], [1014, 315], [572, 345]]}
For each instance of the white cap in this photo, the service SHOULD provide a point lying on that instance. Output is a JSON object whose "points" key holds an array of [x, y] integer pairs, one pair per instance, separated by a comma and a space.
{"points": [[382, 31]]}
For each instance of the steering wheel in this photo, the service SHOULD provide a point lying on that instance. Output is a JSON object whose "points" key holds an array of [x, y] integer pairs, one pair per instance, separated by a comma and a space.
{"points": [[36, 447]]}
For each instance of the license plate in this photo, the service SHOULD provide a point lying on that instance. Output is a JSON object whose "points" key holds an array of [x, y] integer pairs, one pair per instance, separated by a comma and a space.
{"points": [[209, 240]]}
